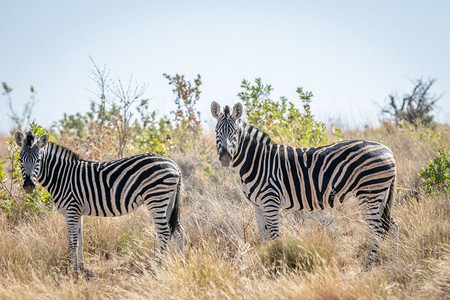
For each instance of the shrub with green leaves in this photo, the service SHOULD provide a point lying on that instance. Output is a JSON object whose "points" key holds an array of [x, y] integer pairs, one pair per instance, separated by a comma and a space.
{"points": [[150, 134], [436, 175], [282, 120]]}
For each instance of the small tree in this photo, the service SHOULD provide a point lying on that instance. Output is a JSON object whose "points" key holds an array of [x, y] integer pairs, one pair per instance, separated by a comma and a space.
{"points": [[110, 129], [123, 99], [414, 108], [187, 96], [187, 127], [103, 81]]}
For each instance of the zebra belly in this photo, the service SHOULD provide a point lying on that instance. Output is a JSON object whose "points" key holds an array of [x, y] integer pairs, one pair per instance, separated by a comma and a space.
{"points": [[89, 210], [329, 199]]}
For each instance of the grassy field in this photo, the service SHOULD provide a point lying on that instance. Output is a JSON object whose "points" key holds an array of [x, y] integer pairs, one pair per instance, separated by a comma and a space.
{"points": [[319, 256]]}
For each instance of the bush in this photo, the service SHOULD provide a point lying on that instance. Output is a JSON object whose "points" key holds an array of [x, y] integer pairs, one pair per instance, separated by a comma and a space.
{"points": [[150, 134], [281, 119], [436, 175]]}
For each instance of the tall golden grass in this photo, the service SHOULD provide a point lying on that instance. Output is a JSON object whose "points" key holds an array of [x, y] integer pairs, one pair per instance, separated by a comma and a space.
{"points": [[319, 256]]}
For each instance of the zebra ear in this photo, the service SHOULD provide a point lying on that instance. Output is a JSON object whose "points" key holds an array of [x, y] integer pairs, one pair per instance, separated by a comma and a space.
{"points": [[43, 140], [237, 111], [215, 110], [18, 136]]}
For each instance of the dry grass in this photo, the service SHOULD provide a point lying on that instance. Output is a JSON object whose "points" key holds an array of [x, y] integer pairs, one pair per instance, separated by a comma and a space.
{"points": [[3, 146], [319, 256]]}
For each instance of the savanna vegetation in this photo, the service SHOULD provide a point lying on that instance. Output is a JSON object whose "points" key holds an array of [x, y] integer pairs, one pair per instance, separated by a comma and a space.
{"points": [[319, 256]]}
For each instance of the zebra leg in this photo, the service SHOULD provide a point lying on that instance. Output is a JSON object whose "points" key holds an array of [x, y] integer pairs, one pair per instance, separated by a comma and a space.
{"points": [[178, 230], [179, 235], [80, 245], [73, 220], [393, 231], [261, 223], [372, 216], [270, 214], [374, 248], [86, 272], [162, 228]]}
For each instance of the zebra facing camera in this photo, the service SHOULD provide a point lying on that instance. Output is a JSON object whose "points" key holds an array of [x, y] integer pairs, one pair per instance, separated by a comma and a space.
{"points": [[225, 129], [276, 176], [29, 163]]}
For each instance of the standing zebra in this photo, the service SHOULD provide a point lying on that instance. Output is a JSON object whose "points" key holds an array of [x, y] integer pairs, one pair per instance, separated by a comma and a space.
{"points": [[107, 189], [278, 177]]}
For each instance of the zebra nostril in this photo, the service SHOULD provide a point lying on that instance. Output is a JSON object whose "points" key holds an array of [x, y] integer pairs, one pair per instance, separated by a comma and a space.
{"points": [[28, 187]]}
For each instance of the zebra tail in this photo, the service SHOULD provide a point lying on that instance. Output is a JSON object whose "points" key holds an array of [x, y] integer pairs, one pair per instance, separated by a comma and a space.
{"points": [[386, 219], [173, 220]]}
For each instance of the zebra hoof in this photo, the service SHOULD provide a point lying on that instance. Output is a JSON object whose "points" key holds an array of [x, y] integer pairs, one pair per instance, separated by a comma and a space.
{"points": [[367, 268], [89, 274]]}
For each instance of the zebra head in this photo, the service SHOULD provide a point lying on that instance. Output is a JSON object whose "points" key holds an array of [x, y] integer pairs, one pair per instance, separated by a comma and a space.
{"points": [[30, 157], [226, 131]]}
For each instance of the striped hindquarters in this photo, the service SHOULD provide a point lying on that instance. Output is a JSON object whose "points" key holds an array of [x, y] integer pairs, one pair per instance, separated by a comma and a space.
{"points": [[314, 178]]}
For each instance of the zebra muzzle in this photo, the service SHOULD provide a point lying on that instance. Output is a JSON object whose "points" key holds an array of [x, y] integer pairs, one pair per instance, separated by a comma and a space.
{"points": [[225, 160], [28, 186]]}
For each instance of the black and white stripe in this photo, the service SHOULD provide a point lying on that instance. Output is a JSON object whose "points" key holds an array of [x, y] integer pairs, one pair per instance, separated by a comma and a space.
{"points": [[107, 189], [278, 177]]}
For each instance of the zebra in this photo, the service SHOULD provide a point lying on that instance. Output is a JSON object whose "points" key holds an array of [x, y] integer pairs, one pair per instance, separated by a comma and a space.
{"points": [[276, 177], [107, 189]]}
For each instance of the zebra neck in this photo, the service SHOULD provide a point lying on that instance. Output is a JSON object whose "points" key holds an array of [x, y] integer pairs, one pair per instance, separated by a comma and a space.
{"points": [[55, 161], [252, 143]]}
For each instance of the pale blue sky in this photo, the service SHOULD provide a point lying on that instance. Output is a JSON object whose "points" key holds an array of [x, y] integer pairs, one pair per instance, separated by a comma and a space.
{"points": [[350, 54]]}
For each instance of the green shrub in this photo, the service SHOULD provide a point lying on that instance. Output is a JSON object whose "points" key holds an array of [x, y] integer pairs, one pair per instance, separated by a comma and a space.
{"points": [[436, 175], [282, 120], [150, 134]]}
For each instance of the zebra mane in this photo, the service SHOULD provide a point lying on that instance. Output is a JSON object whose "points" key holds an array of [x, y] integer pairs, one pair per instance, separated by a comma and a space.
{"points": [[52, 147], [227, 111], [247, 130], [29, 138]]}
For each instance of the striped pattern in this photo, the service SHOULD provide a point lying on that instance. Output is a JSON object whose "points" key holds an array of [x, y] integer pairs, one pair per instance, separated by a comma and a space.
{"points": [[107, 189], [278, 177]]}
